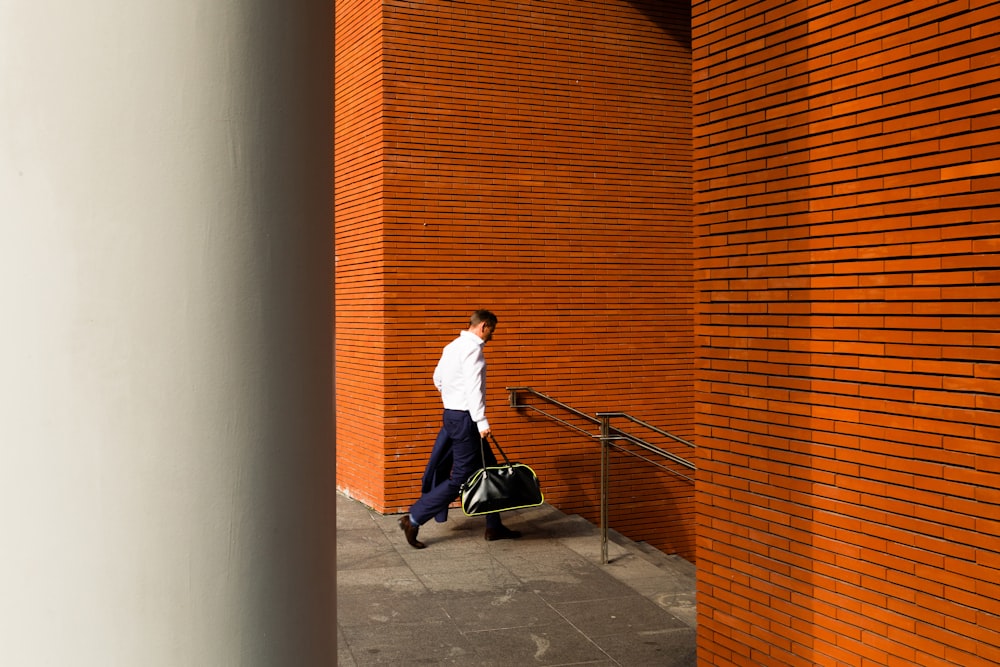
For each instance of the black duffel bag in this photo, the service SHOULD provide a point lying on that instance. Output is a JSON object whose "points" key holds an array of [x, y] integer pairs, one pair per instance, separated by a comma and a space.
{"points": [[499, 488]]}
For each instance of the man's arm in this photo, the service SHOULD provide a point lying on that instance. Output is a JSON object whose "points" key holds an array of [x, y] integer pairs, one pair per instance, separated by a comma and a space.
{"points": [[474, 381]]}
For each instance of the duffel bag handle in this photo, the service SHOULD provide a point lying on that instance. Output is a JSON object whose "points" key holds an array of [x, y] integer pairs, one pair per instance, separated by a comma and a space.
{"points": [[482, 451]]}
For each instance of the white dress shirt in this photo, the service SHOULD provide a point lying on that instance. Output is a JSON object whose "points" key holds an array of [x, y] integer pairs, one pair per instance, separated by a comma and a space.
{"points": [[460, 376]]}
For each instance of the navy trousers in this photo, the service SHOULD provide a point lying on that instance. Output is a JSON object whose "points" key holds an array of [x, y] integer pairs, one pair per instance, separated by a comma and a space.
{"points": [[458, 441]]}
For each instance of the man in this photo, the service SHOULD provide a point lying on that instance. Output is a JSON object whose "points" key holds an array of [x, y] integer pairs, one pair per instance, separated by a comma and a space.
{"points": [[458, 453]]}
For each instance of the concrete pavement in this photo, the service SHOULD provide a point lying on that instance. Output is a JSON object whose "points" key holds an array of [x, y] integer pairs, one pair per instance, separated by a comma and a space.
{"points": [[544, 599]]}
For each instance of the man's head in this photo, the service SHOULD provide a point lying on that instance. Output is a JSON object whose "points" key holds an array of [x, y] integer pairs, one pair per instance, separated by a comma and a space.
{"points": [[483, 323]]}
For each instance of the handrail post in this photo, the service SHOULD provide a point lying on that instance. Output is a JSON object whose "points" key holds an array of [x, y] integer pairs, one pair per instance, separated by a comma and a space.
{"points": [[512, 396], [605, 474]]}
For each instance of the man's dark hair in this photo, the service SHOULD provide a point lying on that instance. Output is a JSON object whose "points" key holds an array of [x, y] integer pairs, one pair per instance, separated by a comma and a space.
{"points": [[483, 315]]}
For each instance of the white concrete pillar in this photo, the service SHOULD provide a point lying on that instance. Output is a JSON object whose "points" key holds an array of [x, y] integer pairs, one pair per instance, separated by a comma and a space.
{"points": [[165, 333]]}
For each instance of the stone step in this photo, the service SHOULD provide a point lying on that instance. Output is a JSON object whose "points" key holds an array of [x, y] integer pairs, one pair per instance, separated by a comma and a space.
{"points": [[672, 562]]}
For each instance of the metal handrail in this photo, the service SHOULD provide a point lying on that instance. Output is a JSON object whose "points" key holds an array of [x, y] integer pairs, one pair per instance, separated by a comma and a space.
{"points": [[608, 438], [639, 442], [650, 427], [583, 415]]}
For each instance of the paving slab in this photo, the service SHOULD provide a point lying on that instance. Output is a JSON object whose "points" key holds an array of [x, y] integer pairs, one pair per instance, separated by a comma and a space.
{"points": [[544, 599]]}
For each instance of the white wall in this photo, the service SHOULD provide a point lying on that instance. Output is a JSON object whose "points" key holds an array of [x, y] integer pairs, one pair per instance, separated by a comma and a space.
{"points": [[165, 333]]}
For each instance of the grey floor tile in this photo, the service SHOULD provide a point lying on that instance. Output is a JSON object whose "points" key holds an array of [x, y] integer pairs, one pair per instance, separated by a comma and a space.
{"points": [[380, 581], [363, 609], [507, 610], [624, 615], [557, 644], [409, 644], [345, 658], [532, 543], [473, 580], [551, 565], [352, 514], [365, 549], [663, 648], [577, 584], [443, 553], [680, 604]]}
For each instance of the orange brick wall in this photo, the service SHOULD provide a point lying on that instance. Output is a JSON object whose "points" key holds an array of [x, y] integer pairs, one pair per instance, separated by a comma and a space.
{"points": [[359, 273], [535, 160], [848, 332]]}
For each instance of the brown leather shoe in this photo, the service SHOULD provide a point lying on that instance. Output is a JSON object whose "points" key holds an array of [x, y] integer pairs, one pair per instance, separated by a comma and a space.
{"points": [[501, 533], [411, 532]]}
